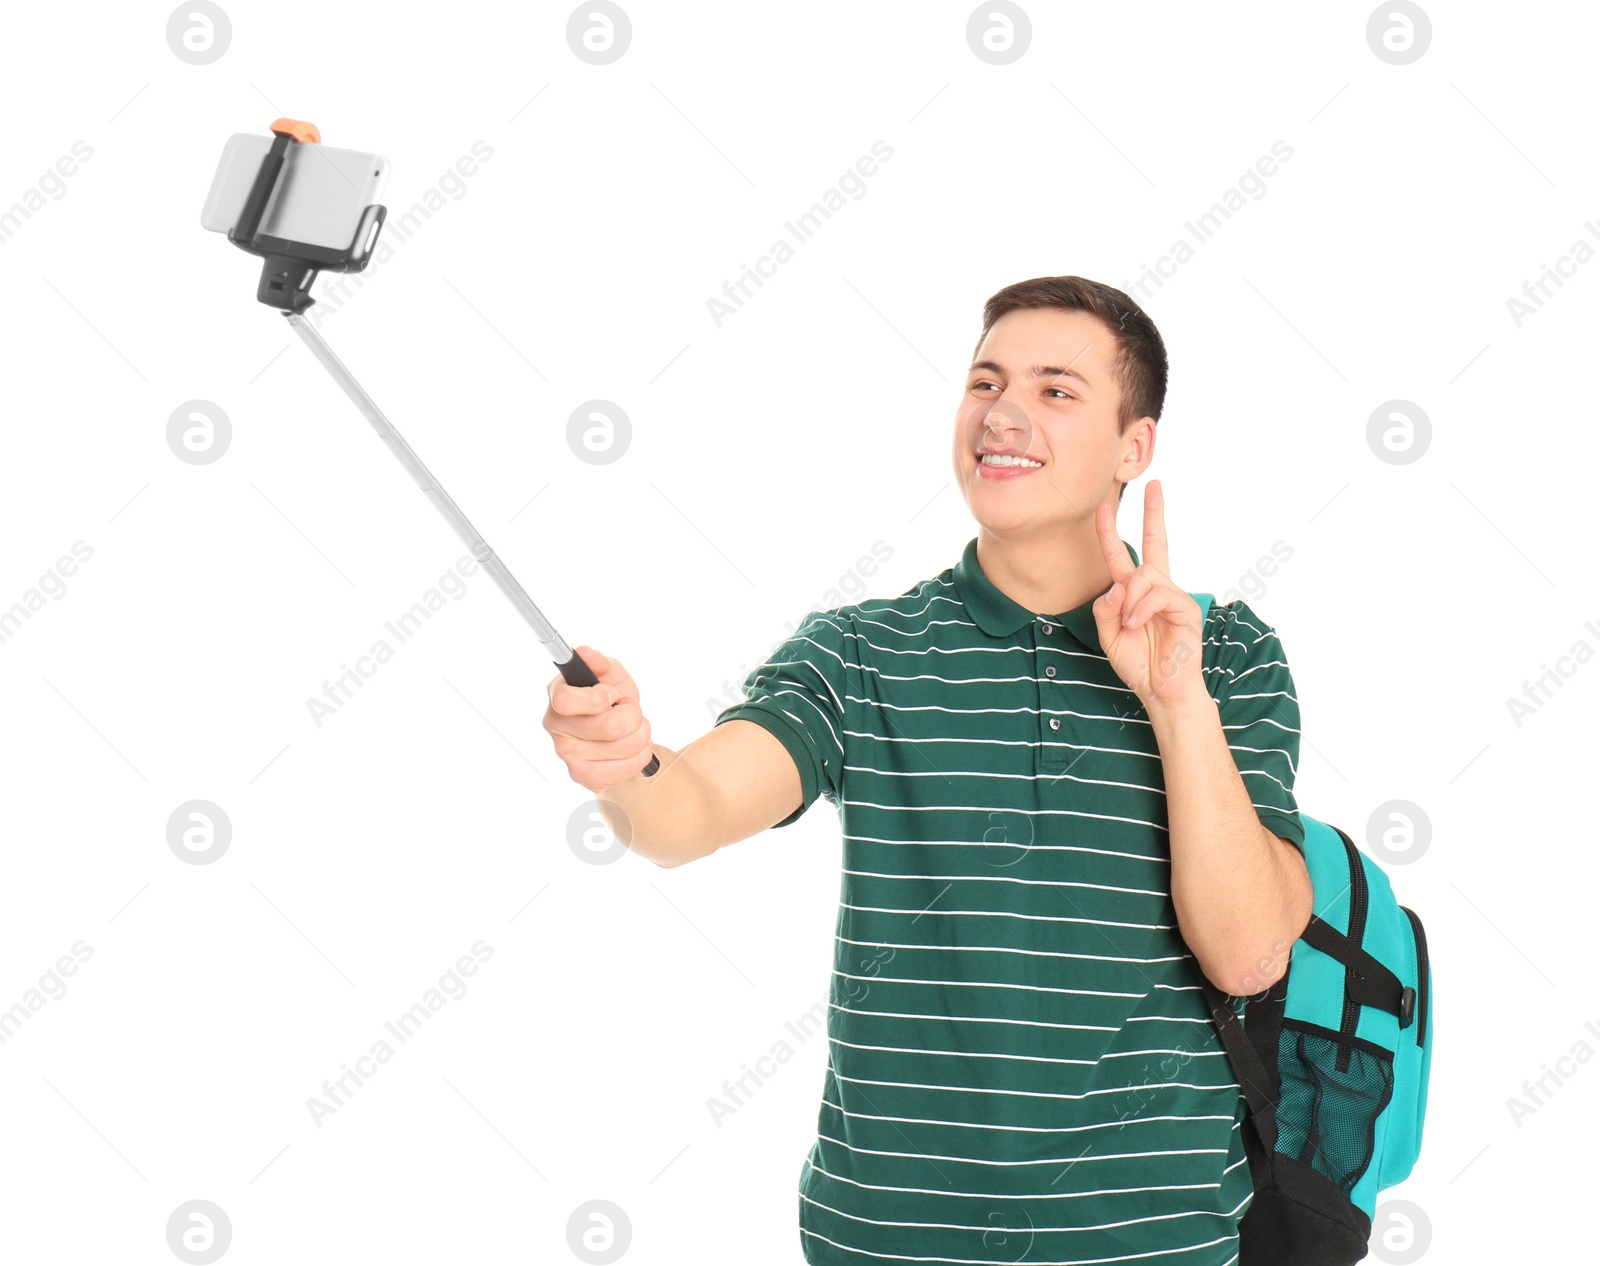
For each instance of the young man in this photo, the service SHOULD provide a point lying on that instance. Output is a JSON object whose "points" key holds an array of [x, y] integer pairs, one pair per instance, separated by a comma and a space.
{"points": [[1062, 801]]}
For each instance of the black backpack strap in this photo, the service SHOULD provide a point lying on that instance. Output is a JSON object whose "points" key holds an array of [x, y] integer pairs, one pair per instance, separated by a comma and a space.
{"points": [[1259, 1086], [1265, 1012], [1368, 981]]}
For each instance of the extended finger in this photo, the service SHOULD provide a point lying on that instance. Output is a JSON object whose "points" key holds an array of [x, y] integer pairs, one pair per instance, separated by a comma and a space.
{"points": [[1155, 526], [1116, 553]]}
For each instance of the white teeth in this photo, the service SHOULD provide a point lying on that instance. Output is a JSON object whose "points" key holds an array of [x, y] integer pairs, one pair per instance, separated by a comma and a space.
{"points": [[1006, 459]]}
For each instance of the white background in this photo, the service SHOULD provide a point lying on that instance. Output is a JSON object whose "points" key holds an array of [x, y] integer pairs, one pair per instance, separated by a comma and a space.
{"points": [[767, 456]]}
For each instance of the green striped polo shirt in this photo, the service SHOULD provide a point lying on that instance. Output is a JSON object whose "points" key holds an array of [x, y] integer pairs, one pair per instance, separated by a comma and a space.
{"points": [[1021, 1067]]}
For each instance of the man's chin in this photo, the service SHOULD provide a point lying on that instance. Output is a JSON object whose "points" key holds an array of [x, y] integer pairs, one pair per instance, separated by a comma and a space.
{"points": [[999, 518]]}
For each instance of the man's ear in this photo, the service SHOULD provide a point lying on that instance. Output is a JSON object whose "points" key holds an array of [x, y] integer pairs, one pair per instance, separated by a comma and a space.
{"points": [[1139, 449]]}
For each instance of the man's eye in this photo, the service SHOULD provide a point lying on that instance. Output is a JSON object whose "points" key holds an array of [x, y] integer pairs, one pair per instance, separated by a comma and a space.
{"points": [[1065, 395], [976, 385]]}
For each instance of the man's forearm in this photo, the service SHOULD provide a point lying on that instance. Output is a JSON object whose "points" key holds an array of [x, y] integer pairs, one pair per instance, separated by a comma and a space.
{"points": [[661, 817], [1242, 894]]}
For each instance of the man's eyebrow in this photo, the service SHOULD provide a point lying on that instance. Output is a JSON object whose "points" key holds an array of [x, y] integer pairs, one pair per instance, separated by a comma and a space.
{"points": [[1036, 371]]}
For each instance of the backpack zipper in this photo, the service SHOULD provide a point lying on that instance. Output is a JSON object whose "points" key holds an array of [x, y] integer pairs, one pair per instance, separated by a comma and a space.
{"points": [[1358, 928], [1422, 975]]}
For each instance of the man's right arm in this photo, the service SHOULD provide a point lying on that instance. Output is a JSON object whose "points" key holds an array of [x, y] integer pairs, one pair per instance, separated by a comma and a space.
{"points": [[732, 782]]}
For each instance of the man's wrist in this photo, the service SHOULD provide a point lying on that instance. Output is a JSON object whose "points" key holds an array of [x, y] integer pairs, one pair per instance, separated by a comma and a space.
{"points": [[1187, 707]]}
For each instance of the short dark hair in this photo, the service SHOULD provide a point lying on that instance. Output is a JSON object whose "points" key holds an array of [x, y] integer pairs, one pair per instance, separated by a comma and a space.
{"points": [[1140, 365]]}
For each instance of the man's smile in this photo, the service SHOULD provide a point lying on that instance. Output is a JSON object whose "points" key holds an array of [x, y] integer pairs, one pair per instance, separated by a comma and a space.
{"points": [[1005, 465]]}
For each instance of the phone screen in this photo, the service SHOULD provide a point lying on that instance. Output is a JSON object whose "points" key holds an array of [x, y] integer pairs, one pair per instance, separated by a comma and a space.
{"points": [[322, 193], [319, 199]]}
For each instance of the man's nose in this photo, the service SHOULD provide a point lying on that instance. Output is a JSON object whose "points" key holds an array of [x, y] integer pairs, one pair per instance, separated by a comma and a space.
{"points": [[1006, 415]]}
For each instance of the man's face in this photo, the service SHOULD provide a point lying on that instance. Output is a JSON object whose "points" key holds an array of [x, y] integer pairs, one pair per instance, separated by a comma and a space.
{"points": [[1041, 388]]}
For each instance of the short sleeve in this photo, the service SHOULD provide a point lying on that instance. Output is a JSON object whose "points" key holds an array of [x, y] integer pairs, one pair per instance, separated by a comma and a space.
{"points": [[1255, 695], [799, 695]]}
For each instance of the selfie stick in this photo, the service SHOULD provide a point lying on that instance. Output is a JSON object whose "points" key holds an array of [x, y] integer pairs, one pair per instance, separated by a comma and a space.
{"points": [[287, 272]]}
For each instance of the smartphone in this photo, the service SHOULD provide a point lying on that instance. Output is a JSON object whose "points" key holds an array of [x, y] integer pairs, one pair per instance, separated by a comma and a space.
{"points": [[319, 198]]}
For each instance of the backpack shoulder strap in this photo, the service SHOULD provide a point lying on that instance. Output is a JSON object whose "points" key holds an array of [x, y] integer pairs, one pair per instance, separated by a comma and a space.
{"points": [[1259, 1085]]}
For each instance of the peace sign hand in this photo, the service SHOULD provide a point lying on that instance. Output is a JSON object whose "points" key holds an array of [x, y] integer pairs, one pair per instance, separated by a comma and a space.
{"points": [[1156, 651]]}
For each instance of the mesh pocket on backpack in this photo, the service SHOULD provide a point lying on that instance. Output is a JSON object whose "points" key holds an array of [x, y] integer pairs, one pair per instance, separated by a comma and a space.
{"points": [[1326, 1117]]}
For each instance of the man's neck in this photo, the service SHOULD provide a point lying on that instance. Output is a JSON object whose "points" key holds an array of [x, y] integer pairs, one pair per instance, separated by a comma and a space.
{"points": [[1048, 575]]}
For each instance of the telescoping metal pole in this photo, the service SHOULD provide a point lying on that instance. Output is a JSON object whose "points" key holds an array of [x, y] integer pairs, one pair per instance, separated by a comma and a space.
{"points": [[572, 667]]}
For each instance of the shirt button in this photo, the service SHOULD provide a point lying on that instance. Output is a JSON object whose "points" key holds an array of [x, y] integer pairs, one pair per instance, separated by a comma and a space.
{"points": [[1055, 723], [1049, 628], [1049, 672]]}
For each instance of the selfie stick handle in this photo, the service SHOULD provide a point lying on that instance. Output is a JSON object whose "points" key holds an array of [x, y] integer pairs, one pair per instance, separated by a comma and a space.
{"points": [[571, 665]]}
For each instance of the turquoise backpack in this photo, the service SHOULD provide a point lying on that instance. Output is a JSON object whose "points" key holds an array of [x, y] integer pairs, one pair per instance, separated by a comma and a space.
{"points": [[1332, 1061]]}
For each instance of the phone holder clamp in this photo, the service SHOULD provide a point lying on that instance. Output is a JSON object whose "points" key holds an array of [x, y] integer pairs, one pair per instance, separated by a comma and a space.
{"points": [[288, 268]]}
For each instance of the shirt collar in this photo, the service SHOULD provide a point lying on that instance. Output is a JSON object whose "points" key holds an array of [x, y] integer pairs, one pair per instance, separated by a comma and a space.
{"points": [[998, 616]]}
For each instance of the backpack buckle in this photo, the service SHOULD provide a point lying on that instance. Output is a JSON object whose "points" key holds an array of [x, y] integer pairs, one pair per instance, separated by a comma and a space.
{"points": [[1408, 1006]]}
